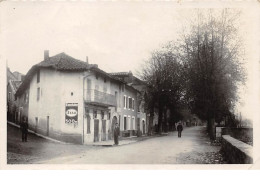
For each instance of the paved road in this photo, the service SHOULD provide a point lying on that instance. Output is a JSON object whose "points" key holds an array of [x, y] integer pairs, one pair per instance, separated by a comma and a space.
{"points": [[193, 148]]}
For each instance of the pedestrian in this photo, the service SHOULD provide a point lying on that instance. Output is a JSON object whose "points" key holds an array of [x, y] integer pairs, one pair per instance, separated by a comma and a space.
{"points": [[24, 129], [179, 128], [116, 134]]}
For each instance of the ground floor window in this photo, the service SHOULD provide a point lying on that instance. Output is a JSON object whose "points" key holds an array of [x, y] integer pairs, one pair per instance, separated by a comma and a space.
{"points": [[125, 123]]}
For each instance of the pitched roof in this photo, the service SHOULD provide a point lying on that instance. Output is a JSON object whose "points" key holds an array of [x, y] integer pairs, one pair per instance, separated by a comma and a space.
{"points": [[119, 73], [62, 62], [14, 85]]}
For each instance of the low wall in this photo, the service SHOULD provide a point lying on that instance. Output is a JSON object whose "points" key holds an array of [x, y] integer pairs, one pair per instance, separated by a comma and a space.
{"points": [[235, 151], [242, 134]]}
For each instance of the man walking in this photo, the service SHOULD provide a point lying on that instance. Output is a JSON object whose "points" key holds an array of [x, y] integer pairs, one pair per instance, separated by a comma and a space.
{"points": [[179, 128], [24, 129], [116, 134]]}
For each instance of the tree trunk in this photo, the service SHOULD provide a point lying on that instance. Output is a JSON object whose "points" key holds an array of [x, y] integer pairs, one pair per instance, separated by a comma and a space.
{"points": [[165, 120], [160, 119], [212, 129], [150, 123]]}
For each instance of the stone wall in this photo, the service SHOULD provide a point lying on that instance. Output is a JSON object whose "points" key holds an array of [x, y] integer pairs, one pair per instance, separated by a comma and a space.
{"points": [[235, 151], [242, 134]]}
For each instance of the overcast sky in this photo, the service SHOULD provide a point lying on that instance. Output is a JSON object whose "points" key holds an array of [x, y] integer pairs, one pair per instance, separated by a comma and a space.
{"points": [[116, 36]]}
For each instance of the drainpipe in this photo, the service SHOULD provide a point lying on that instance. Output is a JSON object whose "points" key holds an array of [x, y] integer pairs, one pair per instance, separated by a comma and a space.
{"points": [[84, 77]]}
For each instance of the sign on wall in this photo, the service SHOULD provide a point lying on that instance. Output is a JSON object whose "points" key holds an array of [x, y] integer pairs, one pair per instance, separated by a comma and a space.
{"points": [[71, 113]]}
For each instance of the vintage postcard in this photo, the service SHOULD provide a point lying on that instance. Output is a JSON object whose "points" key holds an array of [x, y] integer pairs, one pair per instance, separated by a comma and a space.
{"points": [[130, 84]]}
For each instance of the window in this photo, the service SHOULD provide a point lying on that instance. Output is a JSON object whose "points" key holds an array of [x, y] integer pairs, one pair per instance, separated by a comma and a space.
{"points": [[127, 104], [124, 122], [133, 120], [95, 114], [38, 76], [124, 101], [130, 103], [88, 121], [133, 104], [38, 93]]}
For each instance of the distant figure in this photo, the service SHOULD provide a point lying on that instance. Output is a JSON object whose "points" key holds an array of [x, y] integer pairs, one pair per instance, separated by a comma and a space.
{"points": [[24, 129], [116, 134], [179, 128]]}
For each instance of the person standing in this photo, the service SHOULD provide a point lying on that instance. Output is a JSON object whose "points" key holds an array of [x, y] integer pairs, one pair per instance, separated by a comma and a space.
{"points": [[116, 134], [179, 128], [24, 129]]}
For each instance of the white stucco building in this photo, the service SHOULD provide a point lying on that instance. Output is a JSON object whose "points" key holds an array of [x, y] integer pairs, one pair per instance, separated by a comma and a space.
{"points": [[73, 101]]}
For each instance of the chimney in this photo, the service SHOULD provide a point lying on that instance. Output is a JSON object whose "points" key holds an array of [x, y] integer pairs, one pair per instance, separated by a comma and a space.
{"points": [[46, 54], [87, 59]]}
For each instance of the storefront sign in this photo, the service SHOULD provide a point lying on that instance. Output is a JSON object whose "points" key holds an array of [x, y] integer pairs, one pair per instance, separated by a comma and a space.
{"points": [[71, 113]]}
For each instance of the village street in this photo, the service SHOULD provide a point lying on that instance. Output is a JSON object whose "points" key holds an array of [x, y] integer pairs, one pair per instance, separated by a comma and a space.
{"points": [[193, 148]]}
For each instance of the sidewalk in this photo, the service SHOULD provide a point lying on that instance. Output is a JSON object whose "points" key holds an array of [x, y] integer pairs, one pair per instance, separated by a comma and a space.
{"points": [[125, 140], [108, 143]]}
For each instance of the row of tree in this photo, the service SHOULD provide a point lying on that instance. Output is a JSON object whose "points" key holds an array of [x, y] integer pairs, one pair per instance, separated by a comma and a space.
{"points": [[200, 70]]}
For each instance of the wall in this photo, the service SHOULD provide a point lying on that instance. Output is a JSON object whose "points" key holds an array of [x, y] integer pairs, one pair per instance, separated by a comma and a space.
{"points": [[55, 91], [129, 113], [242, 134], [235, 151]]}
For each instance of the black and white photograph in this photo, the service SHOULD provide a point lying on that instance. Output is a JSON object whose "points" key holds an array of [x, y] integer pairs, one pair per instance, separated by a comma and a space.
{"points": [[130, 82]]}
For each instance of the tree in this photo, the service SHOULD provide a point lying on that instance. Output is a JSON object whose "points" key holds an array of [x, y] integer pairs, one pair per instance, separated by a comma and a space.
{"points": [[163, 77], [211, 52]]}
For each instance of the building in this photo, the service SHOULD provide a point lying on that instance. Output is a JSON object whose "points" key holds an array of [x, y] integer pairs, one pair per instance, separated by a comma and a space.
{"points": [[13, 82], [140, 85], [74, 101]]}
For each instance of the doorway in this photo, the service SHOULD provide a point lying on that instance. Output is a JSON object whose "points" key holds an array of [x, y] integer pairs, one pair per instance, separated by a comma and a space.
{"points": [[103, 130], [96, 130]]}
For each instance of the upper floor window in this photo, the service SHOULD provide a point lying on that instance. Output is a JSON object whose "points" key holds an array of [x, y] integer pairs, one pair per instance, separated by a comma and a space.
{"points": [[38, 93], [130, 103], [124, 101], [133, 107], [38, 76]]}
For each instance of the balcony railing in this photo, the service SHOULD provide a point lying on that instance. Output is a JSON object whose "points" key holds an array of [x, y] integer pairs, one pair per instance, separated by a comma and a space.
{"points": [[96, 97]]}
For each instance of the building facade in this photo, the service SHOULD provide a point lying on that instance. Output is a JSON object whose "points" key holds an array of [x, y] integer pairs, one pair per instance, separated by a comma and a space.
{"points": [[14, 80], [74, 101], [132, 81]]}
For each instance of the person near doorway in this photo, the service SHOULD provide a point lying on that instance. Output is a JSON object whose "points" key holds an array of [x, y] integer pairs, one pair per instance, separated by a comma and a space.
{"points": [[179, 128], [116, 134], [24, 129]]}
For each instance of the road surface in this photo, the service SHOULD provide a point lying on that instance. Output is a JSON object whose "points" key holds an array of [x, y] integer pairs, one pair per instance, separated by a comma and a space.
{"points": [[193, 148]]}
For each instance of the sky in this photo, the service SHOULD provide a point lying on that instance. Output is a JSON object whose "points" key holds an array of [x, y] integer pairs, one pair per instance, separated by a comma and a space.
{"points": [[116, 36]]}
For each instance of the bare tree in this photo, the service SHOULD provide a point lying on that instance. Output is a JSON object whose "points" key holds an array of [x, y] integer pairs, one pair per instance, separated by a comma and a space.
{"points": [[212, 59]]}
